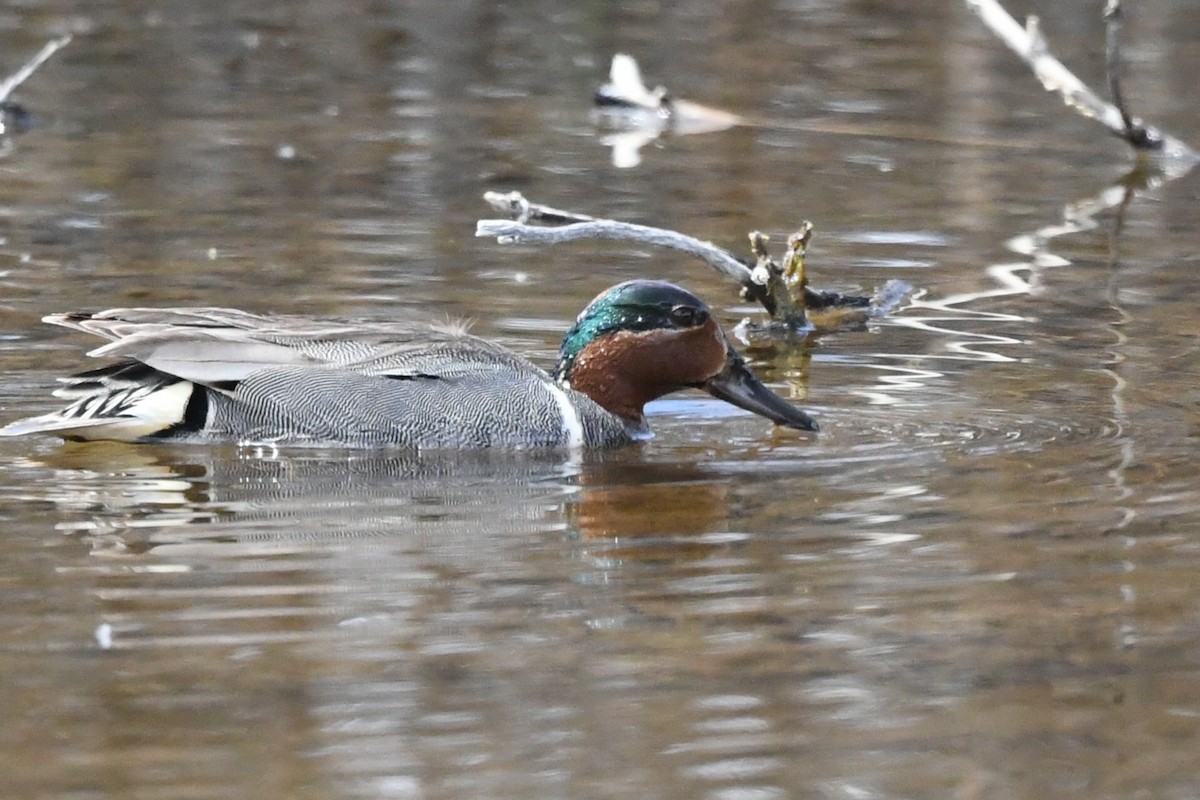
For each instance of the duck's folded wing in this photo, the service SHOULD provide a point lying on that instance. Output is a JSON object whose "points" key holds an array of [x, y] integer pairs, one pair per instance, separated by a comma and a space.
{"points": [[205, 357], [220, 347], [119, 323]]}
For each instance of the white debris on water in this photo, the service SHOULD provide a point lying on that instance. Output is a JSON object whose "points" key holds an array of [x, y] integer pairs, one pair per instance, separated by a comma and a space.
{"points": [[104, 636]]}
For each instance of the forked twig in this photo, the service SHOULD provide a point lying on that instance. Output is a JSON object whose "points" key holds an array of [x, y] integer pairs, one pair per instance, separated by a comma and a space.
{"points": [[1028, 43]]}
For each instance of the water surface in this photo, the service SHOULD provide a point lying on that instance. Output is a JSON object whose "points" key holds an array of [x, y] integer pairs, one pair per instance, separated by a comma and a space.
{"points": [[976, 582]]}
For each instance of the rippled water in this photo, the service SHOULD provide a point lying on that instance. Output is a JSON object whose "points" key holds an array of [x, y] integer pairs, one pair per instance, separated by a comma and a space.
{"points": [[976, 582]]}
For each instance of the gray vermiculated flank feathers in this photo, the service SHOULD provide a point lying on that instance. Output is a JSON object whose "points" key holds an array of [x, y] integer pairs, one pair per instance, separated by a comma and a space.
{"points": [[321, 404]]}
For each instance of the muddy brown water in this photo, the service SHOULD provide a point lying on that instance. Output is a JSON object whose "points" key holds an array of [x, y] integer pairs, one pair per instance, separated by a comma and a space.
{"points": [[979, 581]]}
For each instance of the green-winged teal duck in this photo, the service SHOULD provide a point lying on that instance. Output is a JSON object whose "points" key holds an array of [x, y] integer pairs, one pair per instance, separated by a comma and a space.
{"points": [[214, 374]]}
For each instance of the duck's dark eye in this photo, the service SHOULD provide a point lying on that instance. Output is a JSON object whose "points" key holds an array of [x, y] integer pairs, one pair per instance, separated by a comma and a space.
{"points": [[688, 316]]}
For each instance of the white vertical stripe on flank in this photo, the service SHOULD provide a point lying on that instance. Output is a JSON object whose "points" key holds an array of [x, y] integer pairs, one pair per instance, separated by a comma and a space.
{"points": [[572, 425]]}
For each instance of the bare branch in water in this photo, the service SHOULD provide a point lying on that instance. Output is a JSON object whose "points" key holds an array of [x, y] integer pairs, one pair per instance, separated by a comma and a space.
{"points": [[782, 290], [1136, 132], [1028, 43], [20, 76], [513, 232]]}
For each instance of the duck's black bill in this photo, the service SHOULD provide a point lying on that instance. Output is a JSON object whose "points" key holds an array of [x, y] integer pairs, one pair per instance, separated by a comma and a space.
{"points": [[736, 384]]}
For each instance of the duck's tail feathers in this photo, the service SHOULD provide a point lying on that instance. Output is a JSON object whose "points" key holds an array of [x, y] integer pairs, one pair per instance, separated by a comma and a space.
{"points": [[120, 403]]}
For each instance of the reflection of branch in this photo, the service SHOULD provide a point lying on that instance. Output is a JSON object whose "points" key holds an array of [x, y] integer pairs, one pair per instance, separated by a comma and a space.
{"points": [[20, 76], [1081, 215], [1076, 217], [1029, 44], [1037, 255]]}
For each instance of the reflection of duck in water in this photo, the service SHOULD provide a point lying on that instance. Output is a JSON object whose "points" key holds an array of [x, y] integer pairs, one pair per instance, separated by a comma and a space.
{"points": [[187, 503], [640, 115], [302, 499], [213, 374], [626, 498]]}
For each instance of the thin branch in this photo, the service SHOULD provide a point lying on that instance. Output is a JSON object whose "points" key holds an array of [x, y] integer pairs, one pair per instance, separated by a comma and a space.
{"points": [[1136, 132], [20, 76], [758, 282], [761, 283], [512, 232], [516, 206], [1028, 43]]}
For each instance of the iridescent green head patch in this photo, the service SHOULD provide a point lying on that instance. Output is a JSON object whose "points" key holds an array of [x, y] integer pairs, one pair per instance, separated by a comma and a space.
{"points": [[638, 305]]}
